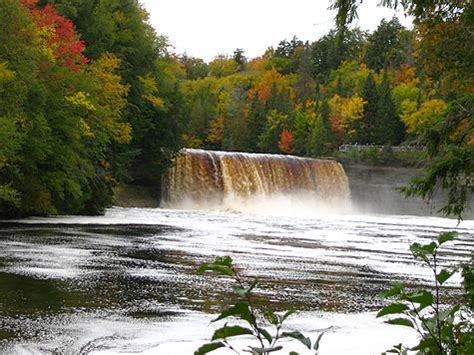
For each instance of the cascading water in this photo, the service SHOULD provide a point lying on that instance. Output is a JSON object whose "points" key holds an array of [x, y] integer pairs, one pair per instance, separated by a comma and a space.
{"points": [[230, 180]]}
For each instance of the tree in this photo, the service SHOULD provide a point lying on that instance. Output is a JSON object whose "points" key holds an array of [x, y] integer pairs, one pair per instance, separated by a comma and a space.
{"points": [[319, 139], [304, 86], [235, 121], [285, 144], [389, 130], [223, 66], [240, 59], [385, 46], [255, 121], [328, 53], [429, 117], [195, 68], [369, 120]]}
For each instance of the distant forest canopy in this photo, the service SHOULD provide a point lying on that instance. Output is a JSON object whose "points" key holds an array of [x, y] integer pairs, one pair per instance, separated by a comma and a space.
{"points": [[91, 97]]}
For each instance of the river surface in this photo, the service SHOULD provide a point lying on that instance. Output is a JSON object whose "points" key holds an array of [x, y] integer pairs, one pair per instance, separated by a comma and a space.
{"points": [[126, 282]]}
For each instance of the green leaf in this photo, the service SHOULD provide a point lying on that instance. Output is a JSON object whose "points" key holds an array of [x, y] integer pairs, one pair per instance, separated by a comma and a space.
{"points": [[318, 340], [443, 276], [427, 343], [395, 290], [293, 353], [422, 297], [298, 336], [418, 252], [272, 318], [243, 292], [287, 314], [238, 310], [429, 248], [446, 237], [232, 331], [222, 265], [266, 334], [401, 321], [265, 350], [393, 308], [207, 348]]}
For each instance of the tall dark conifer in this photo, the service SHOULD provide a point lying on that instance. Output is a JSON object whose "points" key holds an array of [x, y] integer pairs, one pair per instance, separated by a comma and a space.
{"points": [[389, 130], [369, 120]]}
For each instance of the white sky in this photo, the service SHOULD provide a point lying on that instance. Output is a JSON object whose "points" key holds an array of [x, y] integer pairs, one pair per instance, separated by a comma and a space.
{"points": [[205, 28]]}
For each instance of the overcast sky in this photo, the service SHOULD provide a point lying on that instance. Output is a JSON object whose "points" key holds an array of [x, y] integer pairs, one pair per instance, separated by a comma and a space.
{"points": [[205, 28]]}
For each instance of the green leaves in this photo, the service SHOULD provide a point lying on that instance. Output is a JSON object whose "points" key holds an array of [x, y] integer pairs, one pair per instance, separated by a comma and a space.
{"points": [[207, 348], [226, 332], [444, 275], [396, 289], [222, 265], [239, 310], [446, 237], [401, 321], [394, 308], [298, 336], [422, 297], [245, 310]]}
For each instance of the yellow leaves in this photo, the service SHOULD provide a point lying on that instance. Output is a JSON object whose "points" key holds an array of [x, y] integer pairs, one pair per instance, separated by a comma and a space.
{"points": [[42, 42], [344, 112], [190, 141], [216, 131], [276, 119], [403, 92], [122, 132], [223, 66], [81, 99], [6, 75], [430, 114], [85, 129], [111, 98], [150, 91]]}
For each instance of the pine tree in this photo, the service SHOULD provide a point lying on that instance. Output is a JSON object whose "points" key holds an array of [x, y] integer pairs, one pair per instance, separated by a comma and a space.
{"points": [[319, 138], [301, 133], [369, 120], [255, 122], [304, 86], [389, 129]]}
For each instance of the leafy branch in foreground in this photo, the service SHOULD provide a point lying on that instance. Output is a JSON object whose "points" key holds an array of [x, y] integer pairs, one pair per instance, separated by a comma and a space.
{"points": [[442, 329], [245, 310]]}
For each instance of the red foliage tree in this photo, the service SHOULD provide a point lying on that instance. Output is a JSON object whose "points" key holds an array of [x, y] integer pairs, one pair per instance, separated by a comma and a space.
{"points": [[285, 143], [62, 39]]}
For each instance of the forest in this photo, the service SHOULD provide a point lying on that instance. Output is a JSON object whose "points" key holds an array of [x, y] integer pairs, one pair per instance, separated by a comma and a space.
{"points": [[92, 97]]}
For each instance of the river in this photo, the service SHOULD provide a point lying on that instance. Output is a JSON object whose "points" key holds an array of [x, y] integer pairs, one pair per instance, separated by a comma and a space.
{"points": [[126, 282]]}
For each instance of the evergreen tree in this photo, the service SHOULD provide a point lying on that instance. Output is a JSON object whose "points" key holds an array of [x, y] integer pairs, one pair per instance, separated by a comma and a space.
{"points": [[386, 46], [235, 123], [389, 129], [255, 122], [240, 59], [366, 134], [301, 133], [324, 112], [304, 86], [319, 139]]}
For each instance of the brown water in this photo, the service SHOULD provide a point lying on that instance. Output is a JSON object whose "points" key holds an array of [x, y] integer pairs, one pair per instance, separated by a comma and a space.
{"points": [[222, 179]]}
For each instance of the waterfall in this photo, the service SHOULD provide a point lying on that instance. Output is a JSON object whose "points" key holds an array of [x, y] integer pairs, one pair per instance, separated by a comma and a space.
{"points": [[231, 180]]}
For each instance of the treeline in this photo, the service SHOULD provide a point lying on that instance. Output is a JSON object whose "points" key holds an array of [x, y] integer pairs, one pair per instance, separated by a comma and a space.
{"points": [[91, 97], [309, 98]]}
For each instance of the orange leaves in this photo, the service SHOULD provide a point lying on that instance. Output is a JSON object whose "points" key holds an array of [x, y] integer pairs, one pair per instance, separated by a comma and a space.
{"points": [[264, 86], [56, 36], [405, 74], [285, 144]]}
